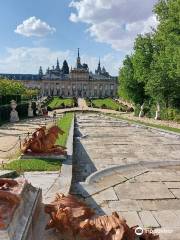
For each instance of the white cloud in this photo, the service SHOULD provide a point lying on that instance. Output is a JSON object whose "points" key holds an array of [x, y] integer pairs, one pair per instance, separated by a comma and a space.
{"points": [[28, 60], [34, 27], [116, 22]]}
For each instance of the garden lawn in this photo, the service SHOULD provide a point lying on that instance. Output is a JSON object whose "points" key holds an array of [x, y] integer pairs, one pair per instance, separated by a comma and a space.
{"points": [[65, 124], [106, 103], [57, 102], [29, 165]]}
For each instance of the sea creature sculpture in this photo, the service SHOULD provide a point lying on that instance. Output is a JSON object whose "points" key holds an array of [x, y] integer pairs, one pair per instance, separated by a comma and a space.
{"points": [[9, 200], [74, 219], [43, 141]]}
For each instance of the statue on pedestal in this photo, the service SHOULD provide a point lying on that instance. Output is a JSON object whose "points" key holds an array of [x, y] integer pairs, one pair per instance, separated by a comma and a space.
{"points": [[141, 113], [39, 109], [30, 110], [157, 117], [14, 114]]}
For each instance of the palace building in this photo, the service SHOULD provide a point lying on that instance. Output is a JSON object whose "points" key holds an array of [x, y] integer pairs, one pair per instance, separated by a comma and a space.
{"points": [[76, 82]]}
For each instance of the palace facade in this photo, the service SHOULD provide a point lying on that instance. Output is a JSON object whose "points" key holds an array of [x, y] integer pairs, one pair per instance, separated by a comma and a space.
{"points": [[76, 82]]}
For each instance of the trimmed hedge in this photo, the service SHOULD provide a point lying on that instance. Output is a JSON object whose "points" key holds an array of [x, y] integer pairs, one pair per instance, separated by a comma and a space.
{"points": [[7, 99]]}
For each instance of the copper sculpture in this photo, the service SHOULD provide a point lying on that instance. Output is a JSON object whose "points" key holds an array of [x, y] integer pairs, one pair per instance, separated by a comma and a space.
{"points": [[77, 221], [43, 141], [9, 199]]}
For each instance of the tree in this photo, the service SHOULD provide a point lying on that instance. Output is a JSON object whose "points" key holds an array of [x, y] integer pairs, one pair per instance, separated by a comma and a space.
{"points": [[11, 87], [130, 88], [65, 67], [164, 83], [142, 57]]}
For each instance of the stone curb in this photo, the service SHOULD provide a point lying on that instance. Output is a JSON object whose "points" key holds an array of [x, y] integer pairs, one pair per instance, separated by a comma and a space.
{"points": [[135, 166], [66, 168]]}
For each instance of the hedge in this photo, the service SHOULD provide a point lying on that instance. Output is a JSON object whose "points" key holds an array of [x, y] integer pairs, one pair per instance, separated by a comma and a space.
{"points": [[7, 99], [21, 108]]}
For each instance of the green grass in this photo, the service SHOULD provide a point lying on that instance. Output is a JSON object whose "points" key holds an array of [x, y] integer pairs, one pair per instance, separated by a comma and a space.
{"points": [[167, 128], [64, 123], [44, 164], [107, 103], [34, 165], [57, 102]]}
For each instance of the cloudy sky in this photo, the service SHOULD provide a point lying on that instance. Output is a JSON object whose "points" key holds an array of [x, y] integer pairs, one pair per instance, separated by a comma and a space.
{"points": [[37, 32]]}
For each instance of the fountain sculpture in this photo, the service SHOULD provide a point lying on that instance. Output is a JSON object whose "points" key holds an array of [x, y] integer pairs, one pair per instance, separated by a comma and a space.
{"points": [[75, 220], [43, 141], [19, 203]]}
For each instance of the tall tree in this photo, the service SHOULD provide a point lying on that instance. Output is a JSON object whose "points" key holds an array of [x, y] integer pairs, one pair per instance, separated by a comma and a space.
{"points": [[164, 83], [65, 67], [142, 57], [130, 88]]}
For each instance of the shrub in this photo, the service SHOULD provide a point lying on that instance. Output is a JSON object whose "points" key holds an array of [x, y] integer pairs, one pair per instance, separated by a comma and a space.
{"points": [[7, 99], [137, 110], [104, 106], [62, 105]]}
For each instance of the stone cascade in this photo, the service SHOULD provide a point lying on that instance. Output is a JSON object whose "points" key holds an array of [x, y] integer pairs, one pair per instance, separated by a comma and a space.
{"points": [[130, 169]]}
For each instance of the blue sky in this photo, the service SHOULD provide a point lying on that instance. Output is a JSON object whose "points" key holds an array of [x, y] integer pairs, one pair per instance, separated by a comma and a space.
{"points": [[36, 32]]}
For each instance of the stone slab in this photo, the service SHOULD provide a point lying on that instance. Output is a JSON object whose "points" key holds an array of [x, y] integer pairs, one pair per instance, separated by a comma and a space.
{"points": [[167, 218], [159, 204], [143, 191], [172, 184], [43, 180], [148, 220], [106, 195], [176, 192], [124, 205], [162, 176], [132, 218]]}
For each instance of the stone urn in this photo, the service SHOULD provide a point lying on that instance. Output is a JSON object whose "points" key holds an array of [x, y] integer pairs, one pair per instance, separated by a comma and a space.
{"points": [[30, 110], [14, 117]]}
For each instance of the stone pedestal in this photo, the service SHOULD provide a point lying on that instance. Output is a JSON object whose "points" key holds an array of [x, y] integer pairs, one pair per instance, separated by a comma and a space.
{"points": [[14, 116], [19, 217]]}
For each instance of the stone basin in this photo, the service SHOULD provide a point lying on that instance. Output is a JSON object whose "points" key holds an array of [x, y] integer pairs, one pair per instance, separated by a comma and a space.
{"points": [[19, 203]]}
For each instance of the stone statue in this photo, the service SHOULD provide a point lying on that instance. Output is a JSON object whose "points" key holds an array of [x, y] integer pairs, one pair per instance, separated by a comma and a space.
{"points": [[75, 220], [14, 114], [39, 109], [30, 110], [9, 199], [141, 113], [157, 117], [43, 141]]}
